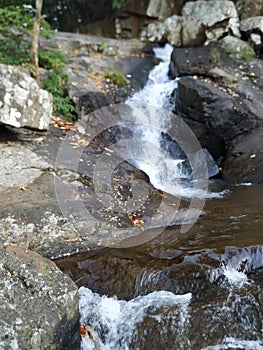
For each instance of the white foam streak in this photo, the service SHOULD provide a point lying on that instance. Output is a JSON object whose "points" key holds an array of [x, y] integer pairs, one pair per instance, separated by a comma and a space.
{"points": [[234, 343], [116, 319], [236, 263]]}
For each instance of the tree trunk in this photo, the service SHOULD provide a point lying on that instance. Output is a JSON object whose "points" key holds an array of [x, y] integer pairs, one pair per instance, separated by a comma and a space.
{"points": [[34, 44]]}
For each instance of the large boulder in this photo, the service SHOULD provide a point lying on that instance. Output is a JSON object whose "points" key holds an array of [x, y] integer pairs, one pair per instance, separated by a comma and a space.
{"points": [[249, 8], [134, 18], [202, 19], [160, 9], [22, 102], [223, 104], [252, 28], [169, 29], [244, 159], [38, 303], [215, 116]]}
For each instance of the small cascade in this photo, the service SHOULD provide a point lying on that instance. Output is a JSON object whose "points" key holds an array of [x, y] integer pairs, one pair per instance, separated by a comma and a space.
{"points": [[161, 156], [235, 265], [234, 343], [115, 323]]}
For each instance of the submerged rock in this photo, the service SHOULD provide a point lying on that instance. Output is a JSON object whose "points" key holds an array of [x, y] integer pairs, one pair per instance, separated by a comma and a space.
{"points": [[22, 102], [39, 304]]}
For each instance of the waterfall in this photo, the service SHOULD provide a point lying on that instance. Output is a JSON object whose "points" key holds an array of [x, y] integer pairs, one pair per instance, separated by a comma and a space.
{"points": [[158, 155]]}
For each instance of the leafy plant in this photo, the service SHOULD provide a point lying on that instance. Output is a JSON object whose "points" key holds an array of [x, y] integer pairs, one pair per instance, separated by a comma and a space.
{"points": [[51, 59], [247, 54], [101, 46], [214, 55], [16, 24], [117, 78], [21, 19], [117, 4], [62, 103]]}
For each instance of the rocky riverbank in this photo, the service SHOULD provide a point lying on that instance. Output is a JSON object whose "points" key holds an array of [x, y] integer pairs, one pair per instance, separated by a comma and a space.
{"points": [[219, 96]]}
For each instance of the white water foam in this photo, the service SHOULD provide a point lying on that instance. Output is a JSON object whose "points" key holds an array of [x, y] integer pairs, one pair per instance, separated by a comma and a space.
{"points": [[167, 173], [236, 263], [234, 343], [114, 322]]}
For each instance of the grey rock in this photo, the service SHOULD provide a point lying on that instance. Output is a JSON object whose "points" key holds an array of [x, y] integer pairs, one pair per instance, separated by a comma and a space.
{"points": [[244, 160], [169, 30], [135, 16], [253, 28], [235, 46], [160, 9], [19, 165], [39, 304], [249, 8], [22, 102], [156, 32], [201, 20], [215, 116], [74, 44], [251, 24]]}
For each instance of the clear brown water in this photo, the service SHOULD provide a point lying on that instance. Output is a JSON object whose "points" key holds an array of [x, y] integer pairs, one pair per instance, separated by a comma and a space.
{"points": [[198, 290], [219, 261]]}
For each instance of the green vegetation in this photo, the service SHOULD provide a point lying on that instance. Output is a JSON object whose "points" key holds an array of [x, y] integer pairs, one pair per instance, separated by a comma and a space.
{"points": [[247, 54], [51, 59], [101, 46], [117, 4], [62, 103], [16, 25], [117, 78], [214, 55]]}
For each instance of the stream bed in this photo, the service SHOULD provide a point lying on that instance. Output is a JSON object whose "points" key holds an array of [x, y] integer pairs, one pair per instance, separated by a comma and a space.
{"points": [[202, 291]]}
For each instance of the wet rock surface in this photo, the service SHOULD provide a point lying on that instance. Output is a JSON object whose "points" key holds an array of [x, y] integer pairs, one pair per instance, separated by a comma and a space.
{"points": [[220, 97], [61, 211], [39, 304], [218, 264]]}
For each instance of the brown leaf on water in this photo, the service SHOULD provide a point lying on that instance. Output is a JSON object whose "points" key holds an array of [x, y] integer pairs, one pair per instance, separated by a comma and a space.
{"points": [[136, 220]]}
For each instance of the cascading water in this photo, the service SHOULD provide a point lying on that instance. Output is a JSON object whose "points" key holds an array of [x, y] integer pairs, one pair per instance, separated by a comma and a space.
{"points": [[221, 309], [114, 321], [160, 157]]}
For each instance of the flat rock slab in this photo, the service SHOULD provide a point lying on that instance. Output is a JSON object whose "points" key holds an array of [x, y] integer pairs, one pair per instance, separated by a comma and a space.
{"points": [[38, 303], [60, 211], [77, 43], [19, 165]]}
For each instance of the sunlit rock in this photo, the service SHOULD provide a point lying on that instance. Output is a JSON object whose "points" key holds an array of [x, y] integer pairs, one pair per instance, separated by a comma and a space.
{"points": [[169, 30], [253, 29], [201, 19], [22, 102], [160, 8]]}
